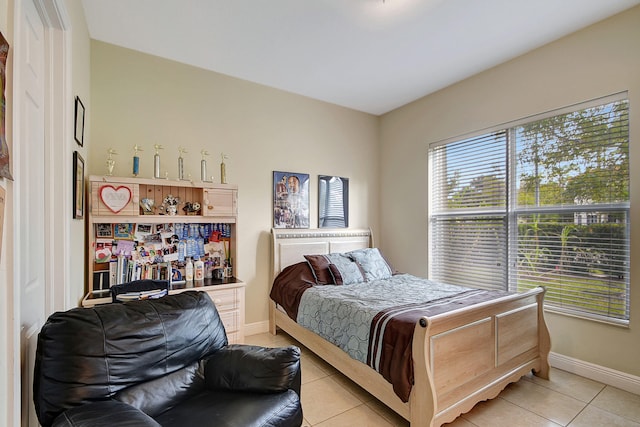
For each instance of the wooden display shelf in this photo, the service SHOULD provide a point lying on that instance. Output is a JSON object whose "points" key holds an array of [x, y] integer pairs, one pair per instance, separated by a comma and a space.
{"points": [[114, 204], [125, 194]]}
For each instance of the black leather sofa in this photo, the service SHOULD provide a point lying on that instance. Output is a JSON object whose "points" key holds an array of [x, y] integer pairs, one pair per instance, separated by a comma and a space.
{"points": [[163, 362]]}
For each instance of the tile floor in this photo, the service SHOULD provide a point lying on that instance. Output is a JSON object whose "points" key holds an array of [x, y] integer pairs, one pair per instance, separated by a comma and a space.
{"points": [[331, 400]]}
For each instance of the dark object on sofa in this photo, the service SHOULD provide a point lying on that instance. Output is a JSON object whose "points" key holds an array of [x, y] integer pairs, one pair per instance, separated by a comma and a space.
{"points": [[138, 286], [162, 362]]}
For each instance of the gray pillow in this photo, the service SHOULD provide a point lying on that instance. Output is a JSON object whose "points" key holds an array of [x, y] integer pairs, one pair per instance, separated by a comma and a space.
{"points": [[372, 263], [344, 270]]}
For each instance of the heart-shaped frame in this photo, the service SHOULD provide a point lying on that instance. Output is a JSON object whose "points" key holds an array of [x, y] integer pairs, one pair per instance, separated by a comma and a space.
{"points": [[116, 199]]}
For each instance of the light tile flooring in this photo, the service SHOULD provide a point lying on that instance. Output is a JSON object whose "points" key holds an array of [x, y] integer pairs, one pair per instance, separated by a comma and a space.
{"points": [[331, 400]]}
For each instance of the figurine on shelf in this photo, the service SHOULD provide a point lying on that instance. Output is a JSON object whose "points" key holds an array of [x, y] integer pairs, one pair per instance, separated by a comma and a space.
{"points": [[181, 151], [170, 205], [223, 169], [111, 162], [147, 206], [156, 161], [203, 166], [136, 160], [191, 208]]}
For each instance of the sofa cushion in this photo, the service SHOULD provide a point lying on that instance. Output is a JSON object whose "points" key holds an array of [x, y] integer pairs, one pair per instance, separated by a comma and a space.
{"points": [[108, 413], [89, 354], [272, 370], [156, 396], [224, 408]]}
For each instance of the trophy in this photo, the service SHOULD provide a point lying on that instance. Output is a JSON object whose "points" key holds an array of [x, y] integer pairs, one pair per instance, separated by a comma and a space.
{"points": [[136, 160], [111, 162], [181, 150], [203, 166], [156, 161], [223, 169]]}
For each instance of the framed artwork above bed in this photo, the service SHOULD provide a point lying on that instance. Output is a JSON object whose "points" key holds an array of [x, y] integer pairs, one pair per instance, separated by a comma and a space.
{"points": [[290, 200], [333, 201]]}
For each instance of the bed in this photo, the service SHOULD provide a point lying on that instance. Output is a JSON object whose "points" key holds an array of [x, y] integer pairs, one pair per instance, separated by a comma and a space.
{"points": [[459, 357]]}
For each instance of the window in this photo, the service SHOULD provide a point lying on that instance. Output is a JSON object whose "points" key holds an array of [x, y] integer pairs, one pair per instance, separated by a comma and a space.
{"points": [[540, 203], [333, 201]]}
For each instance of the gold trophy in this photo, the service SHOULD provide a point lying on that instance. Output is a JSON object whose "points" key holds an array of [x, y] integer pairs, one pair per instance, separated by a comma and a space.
{"points": [[111, 162]]}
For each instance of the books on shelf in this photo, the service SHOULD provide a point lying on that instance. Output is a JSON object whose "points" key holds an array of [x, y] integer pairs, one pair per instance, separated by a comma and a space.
{"points": [[123, 269], [157, 251]]}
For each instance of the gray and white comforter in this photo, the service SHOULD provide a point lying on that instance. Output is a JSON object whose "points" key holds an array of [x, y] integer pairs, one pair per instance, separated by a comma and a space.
{"points": [[343, 314]]}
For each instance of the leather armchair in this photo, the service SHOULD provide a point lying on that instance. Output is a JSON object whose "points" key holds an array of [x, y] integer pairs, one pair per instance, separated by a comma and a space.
{"points": [[163, 362]]}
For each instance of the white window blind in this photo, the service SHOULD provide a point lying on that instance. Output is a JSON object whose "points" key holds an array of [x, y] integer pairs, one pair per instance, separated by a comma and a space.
{"points": [[544, 203], [469, 212]]}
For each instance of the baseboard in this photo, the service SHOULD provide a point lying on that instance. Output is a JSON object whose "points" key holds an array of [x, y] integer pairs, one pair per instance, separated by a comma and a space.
{"points": [[256, 328], [621, 380]]}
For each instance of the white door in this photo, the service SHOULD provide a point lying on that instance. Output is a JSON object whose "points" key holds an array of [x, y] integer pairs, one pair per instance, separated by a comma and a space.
{"points": [[40, 140], [29, 166]]}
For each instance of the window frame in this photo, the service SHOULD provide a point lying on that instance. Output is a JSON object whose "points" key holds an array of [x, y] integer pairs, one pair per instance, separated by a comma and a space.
{"points": [[512, 211]]}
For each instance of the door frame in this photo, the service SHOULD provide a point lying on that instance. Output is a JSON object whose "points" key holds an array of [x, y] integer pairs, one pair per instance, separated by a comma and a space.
{"points": [[58, 136]]}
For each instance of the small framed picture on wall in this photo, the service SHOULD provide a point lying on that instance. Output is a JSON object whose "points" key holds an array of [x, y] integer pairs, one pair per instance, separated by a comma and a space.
{"points": [[78, 133], [78, 186]]}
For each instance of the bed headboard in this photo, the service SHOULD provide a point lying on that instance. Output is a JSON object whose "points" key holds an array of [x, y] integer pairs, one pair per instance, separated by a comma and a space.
{"points": [[290, 245]]}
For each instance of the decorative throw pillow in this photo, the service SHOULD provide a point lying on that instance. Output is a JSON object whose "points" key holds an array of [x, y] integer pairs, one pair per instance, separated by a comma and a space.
{"points": [[320, 266], [345, 271], [372, 263]]}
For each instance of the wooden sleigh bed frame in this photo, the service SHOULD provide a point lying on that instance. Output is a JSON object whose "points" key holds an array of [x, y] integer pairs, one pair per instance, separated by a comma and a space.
{"points": [[460, 358]]}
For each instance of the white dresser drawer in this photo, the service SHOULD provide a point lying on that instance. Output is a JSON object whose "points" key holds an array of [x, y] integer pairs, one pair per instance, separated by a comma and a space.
{"points": [[229, 301], [230, 321], [225, 299], [233, 338]]}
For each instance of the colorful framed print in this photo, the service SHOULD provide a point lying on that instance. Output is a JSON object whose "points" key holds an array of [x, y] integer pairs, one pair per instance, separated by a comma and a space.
{"points": [[290, 200]]}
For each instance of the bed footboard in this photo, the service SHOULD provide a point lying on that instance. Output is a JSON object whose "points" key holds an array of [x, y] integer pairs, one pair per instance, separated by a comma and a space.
{"points": [[470, 355]]}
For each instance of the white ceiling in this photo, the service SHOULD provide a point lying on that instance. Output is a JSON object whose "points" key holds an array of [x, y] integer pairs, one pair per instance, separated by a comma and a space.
{"points": [[369, 55]]}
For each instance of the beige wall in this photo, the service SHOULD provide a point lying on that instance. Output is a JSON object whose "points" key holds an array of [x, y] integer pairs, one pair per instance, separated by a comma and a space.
{"points": [[145, 100], [600, 60], [80, 86]]}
